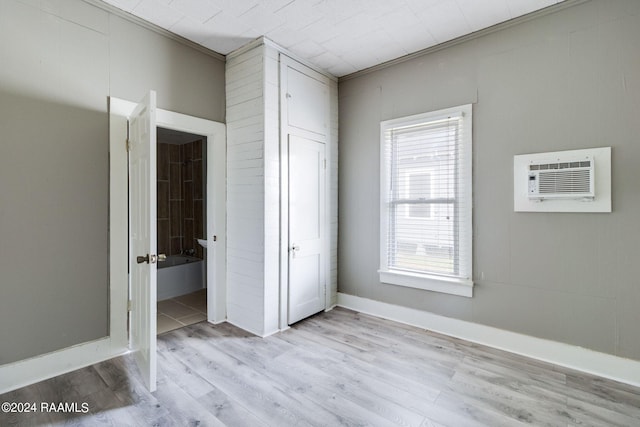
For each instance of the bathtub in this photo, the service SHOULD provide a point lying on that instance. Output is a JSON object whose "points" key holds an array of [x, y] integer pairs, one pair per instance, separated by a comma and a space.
{"points": [[179, 275]]}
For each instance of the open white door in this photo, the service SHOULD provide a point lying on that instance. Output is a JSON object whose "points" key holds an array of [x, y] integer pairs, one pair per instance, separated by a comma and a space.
{"points": [[306, 228], [143, 238]]}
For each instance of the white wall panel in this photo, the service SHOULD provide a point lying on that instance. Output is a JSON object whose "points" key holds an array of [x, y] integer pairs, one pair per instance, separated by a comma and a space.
{"points": [[245, 196], [272, 190], [333, 193], [254, 192]]}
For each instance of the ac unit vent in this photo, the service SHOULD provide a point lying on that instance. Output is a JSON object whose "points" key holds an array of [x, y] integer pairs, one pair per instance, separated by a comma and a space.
{"points": [[564, 165], [568, 182], [572, 179]]}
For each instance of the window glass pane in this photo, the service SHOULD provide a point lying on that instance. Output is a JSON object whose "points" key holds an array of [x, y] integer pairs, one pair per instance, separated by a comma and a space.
{"points": [[426, 196], [422, 236], [425, 246], [419, 189]]}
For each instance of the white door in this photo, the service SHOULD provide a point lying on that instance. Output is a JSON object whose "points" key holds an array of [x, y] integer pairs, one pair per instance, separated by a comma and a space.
{"points": [[306, 228], [143, 238]]}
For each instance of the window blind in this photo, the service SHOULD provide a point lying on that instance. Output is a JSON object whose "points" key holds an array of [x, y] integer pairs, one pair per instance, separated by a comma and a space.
{"points": [[427, 196]]}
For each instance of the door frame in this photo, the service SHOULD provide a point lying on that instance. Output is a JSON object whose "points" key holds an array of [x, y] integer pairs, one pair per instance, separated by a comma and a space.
{"points": [[215, 132], [285, 131]]}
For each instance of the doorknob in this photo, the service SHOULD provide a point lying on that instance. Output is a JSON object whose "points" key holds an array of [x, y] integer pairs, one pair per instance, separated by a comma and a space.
{"points": [[294, 248], [151, 259]]}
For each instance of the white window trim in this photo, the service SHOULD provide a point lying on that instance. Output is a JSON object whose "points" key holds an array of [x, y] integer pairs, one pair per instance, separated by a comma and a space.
{"points": [[430, 282]]}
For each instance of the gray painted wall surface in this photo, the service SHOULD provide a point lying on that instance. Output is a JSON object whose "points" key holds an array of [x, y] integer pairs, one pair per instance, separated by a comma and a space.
{"points": [[58, 66], [564, 81]]}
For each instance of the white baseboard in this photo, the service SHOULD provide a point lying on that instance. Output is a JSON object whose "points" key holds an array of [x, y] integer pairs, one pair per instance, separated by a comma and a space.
{"points": [[251, 331], [30, 371], [581, 359], [330, 308]]}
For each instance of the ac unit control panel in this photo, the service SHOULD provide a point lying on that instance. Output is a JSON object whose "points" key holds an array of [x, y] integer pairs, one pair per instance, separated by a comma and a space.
{"points": [[533, 184]]}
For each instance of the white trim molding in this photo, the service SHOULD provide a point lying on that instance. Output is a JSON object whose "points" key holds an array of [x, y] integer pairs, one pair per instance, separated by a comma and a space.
{"points": [[424, 133], [447, 285], [30, 371], [119, 110], [573, 357]]}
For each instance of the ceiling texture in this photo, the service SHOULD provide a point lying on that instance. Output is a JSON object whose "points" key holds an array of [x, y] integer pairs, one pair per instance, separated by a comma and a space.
{"points": [[339, 36]]}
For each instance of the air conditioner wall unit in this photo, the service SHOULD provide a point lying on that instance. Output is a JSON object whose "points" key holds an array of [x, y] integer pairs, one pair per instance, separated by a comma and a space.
{"points": [[562, 178], [563, 181]]}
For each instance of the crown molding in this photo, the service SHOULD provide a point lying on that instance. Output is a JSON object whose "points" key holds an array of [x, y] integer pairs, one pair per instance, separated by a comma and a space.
{"points": [[472, 36], [153, 27], [262, 40]]}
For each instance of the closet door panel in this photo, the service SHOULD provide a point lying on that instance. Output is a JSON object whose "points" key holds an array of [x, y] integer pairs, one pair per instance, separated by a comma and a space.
{"points": [[306, 102]]}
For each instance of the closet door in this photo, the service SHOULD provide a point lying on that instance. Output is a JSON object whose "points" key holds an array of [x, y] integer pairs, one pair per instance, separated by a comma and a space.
{"points": [[307, 101], [304, 104], [306, 228]]}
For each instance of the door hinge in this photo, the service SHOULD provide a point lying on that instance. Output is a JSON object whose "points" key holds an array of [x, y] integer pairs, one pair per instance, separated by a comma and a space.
{"points": [[129, 305], [128, 145]]}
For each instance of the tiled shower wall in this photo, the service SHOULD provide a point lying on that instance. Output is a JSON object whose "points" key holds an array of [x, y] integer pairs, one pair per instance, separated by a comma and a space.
{"points": [[180, 198]]}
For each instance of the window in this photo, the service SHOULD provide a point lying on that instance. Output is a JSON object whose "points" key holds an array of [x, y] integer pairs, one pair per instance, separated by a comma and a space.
{"points": [[418, 186], [426, 201]]}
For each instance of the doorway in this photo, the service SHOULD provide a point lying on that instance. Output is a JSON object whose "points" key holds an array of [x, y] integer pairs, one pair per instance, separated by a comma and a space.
{"points": [[181, 229], [133, 202]]}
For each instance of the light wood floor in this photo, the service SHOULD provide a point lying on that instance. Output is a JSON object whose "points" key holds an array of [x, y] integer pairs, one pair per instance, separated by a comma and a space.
{"points": [[337, 368]]}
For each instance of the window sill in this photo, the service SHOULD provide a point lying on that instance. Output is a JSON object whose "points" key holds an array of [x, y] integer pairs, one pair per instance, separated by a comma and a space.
{"points": [[427, 282]]}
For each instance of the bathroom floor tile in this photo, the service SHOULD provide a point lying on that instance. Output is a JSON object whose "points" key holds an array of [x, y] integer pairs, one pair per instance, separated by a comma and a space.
{"points": [[174, 309], [193, 318], [196, 300], [166, 324], [182, 311]]}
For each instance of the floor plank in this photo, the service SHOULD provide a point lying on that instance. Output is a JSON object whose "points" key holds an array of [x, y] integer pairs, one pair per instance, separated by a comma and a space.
{"points": [[339, 368]]}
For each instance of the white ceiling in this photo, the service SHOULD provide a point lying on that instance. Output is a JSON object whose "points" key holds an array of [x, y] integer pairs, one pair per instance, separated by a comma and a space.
{"points": [[339, 36]]}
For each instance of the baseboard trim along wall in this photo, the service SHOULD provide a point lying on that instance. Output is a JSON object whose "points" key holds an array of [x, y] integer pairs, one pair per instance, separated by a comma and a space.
{"points": [[581, 359], [30, 371]]}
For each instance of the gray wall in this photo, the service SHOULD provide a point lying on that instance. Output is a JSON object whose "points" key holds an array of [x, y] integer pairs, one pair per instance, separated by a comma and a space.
{"points": [[564, 81], [58, 66]]}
